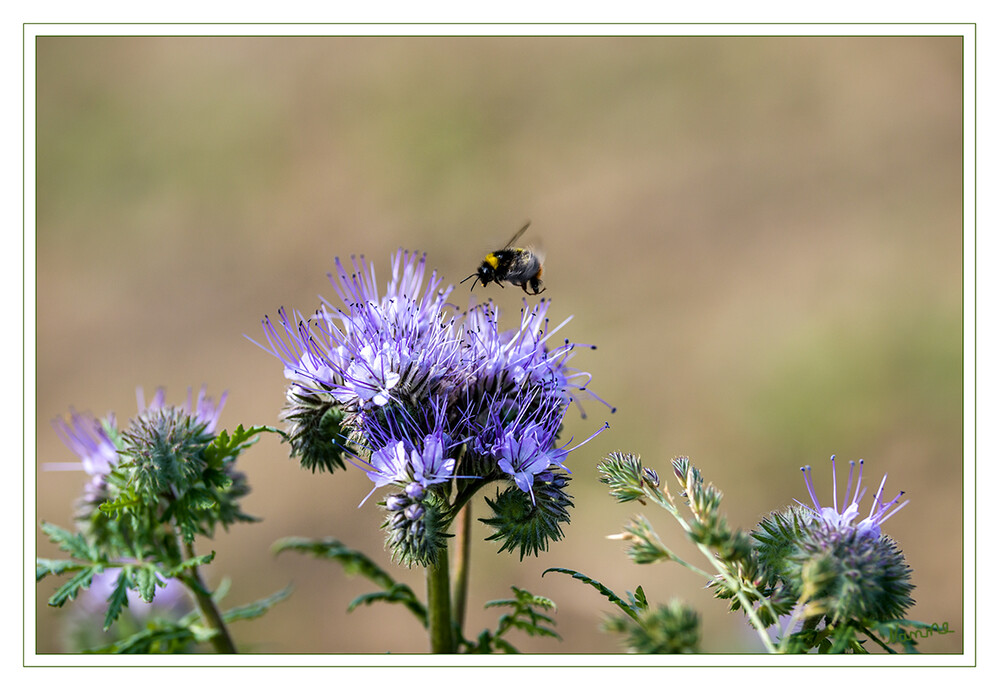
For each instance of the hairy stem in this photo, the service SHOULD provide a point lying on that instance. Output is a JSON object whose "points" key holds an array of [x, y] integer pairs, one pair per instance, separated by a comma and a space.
{"points": [[442, 639], [461, 564], [209, 612]]}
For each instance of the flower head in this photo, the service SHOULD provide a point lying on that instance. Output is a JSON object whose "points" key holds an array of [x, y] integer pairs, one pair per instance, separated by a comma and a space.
{"points": [[838, 567], [429, 401], [157, 468], [840, 518]]}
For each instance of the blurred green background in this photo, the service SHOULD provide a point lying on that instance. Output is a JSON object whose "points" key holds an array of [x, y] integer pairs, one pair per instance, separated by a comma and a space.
{"points": [[762, 235]]}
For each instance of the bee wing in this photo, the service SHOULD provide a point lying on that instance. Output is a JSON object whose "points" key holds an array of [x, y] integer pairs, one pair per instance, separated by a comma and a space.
{"points": [[517, 235]]}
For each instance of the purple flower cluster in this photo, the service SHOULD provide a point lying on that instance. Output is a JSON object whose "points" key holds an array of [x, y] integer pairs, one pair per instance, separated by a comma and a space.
{"points": [[849, 569], [91, 441], [432, 402], [421, 384]]}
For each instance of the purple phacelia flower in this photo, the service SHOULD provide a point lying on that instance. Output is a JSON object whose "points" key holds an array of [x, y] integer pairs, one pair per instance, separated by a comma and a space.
{"points": [[89, 440], [376, 348], [840, 518], [406, 388]]}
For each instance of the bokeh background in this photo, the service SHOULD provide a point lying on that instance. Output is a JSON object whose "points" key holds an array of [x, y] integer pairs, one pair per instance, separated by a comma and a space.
{"points": [[762, 235]]}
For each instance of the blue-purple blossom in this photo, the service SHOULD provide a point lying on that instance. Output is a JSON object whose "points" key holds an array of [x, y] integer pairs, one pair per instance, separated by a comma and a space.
{"points": [[524, 456], [89, 440], [841, 517], [509, 359], [389, 464], [410, 467], [377, 348], [422, 393], [369, 378]]}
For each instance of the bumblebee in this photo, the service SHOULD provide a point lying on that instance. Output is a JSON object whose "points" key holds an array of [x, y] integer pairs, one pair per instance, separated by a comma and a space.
{"points": [[513, 265]]}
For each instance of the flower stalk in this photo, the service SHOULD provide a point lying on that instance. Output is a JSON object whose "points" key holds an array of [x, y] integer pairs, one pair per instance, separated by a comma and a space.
{"points": [[221, 639], [439, 621], [463, 542]]}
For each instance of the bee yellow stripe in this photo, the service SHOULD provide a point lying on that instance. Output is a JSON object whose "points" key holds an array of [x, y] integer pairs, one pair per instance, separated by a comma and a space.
{"points": [[492, 260]]}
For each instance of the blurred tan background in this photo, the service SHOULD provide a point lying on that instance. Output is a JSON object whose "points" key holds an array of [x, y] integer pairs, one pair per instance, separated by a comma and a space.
{"points": [[762, 235]]}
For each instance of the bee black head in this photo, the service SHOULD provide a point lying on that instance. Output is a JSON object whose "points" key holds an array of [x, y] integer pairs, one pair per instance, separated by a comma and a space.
{"points": [[485, 273]]}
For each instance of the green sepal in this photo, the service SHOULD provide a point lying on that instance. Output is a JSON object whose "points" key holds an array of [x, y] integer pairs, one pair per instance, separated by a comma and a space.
{"points": [[317, 430], [527, 526]]}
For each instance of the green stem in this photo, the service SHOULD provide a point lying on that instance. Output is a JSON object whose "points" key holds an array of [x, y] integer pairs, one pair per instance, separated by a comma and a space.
{"points": [[209, 612], [734, 583], [463, 538], [747, 607], [439, 606]]}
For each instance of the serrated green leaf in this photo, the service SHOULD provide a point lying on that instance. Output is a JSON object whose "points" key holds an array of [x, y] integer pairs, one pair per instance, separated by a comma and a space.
{"points": [[533, 629], [74, 544], [159, 637], [256, 608], [217, 479], [353, 562], [200, 499], [357, 563], [398, 594], [46, 566], [118, 599], [524, 617], [128, 499], [506, 646], [72, 587], [603, 589], [190, 563], [146, 581], [228, 444]]}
